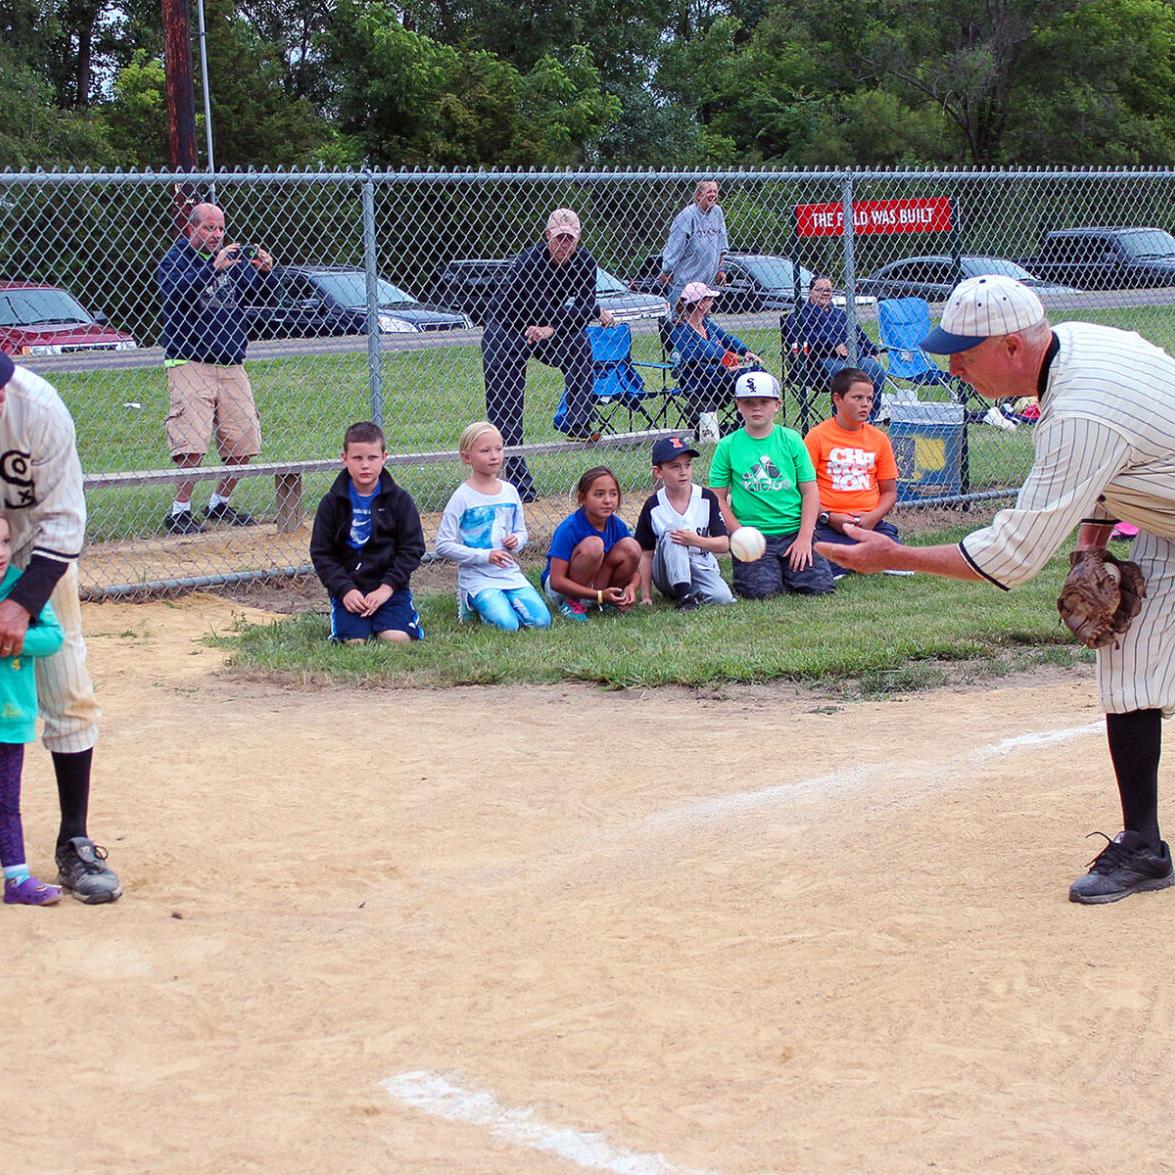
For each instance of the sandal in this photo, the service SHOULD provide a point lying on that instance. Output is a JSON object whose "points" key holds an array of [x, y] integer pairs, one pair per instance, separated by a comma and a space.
{"points": [[30, 892]]}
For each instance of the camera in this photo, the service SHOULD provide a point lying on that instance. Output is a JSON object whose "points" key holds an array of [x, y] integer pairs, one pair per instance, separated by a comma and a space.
{"points": [[247, 252]]}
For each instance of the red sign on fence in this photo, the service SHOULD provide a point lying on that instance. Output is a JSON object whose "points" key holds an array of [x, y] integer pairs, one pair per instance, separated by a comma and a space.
{"points": [[930, 214]]}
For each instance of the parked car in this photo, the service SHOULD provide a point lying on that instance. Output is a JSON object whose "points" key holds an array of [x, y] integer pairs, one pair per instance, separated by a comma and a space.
{"points": [[754, 282], [763, 281], [40, 319], [933, 277], [1107, 258], [469, 285], [308, 301], [626, 305]]}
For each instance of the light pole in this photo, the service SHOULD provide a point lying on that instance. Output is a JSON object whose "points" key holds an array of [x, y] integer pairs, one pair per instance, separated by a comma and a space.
{"points": [[207, 100]]}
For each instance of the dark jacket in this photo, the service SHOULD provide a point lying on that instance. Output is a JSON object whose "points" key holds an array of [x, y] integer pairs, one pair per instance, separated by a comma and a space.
{"points": [[203, 321], [822, 331], [391, 554], [537, 292]]}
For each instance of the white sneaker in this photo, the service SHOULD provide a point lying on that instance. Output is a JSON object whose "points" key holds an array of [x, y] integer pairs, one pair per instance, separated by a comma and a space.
{"points": [[997, 419]]}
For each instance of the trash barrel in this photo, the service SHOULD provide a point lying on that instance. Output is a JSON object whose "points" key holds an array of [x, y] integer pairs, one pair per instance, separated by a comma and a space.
{"points": [[927, 443]]}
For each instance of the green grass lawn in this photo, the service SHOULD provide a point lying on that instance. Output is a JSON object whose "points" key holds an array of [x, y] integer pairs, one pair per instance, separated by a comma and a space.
{"points": [[877, 632]]}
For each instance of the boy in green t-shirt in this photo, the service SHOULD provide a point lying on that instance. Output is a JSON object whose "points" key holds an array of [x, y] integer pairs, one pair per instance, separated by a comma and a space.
{"points": [[763, 477]]}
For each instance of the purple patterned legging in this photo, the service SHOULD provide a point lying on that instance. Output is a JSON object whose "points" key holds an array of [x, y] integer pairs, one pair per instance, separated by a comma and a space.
{"points": [[11, 832]]}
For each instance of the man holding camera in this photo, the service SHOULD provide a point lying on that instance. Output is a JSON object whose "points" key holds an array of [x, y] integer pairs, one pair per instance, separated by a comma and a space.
{"points": [[200, 281]]}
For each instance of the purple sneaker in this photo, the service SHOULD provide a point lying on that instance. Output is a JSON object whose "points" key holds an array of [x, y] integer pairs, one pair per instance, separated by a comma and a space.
{"points": [[30, 892]]}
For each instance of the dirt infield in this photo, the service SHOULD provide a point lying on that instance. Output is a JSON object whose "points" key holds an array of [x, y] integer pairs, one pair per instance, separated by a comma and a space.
{"points": [[554, 929]]}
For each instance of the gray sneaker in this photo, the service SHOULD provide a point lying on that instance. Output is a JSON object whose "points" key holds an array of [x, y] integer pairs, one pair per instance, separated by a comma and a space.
{"points": [[82, 869], [1126, 865]]}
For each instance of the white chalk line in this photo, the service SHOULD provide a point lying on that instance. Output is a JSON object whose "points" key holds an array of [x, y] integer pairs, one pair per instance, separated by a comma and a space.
{"points": [[742, 803], [433, 1093]]}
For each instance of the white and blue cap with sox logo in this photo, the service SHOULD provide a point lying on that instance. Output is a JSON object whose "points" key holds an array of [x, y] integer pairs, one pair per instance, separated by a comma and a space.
{"points": [[981, 308], [754, 384], [7, 367]]}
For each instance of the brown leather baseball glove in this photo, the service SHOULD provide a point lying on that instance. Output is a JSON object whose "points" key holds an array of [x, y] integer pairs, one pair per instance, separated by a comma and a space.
{"points": [[1101, 595]]}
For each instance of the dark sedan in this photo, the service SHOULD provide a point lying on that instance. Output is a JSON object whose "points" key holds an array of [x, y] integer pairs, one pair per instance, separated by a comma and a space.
{"points": [[754, 282], [934, 277], [302, 301], [469, 285]]}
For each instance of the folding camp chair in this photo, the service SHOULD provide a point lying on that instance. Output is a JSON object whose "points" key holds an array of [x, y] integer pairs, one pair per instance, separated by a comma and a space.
{"points": [[803, 377], [709, 411], [619, 391], [904, 323]]}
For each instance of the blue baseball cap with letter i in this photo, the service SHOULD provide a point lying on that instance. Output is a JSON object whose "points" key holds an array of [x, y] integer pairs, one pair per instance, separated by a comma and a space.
{"points": [[7, 367], [981, 308], [670, 448]]}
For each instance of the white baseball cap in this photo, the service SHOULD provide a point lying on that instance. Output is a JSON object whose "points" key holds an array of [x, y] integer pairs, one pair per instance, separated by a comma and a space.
{"points": [[756, 383], [980, 308]]}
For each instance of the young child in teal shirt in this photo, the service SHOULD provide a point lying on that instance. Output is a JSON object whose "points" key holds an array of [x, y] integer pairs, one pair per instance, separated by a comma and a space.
{"points": [[18, 725]]}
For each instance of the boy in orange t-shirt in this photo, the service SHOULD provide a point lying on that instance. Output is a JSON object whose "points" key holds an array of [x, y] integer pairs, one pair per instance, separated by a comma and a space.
{"points": [[856, 473]]}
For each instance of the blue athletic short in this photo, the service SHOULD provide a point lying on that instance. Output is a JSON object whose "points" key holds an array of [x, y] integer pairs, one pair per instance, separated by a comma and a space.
{"points": [[398, 614]]}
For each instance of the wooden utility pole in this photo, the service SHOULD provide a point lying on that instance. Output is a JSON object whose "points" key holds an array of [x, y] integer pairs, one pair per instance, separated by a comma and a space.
{"points": [[181, 102]]}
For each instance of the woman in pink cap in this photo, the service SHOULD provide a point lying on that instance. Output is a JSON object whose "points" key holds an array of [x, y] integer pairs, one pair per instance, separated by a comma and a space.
{"points": [[707, 358]]}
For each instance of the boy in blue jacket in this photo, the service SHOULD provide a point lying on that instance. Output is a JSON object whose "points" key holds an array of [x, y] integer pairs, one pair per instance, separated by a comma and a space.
{"points": [[366, 543]]}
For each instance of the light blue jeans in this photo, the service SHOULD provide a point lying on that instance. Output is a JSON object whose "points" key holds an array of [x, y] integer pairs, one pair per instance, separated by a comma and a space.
{"points": [[511, 609]]}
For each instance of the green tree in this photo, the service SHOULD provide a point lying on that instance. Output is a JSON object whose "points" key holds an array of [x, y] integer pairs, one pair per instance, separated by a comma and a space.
{"points": [[35, 133], [410, 100]]}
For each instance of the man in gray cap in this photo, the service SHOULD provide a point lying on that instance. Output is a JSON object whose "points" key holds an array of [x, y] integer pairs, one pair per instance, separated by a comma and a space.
{"points": [[539, 311], [1104, 453], [41, 495]]}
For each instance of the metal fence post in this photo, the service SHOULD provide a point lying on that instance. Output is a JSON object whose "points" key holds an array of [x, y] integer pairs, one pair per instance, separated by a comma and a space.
{"points": [[374, 366], [846, 189]]}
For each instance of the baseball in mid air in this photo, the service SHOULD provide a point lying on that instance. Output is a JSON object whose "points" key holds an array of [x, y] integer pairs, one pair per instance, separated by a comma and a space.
{"points": [[747, 544]]}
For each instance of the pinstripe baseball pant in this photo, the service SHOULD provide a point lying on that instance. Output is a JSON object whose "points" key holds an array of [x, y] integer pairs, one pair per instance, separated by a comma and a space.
{"points": [[65, 694], [1140, 673]]}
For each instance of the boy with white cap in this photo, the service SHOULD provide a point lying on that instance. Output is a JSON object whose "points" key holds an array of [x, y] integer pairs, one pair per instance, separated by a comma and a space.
{"points": [[764, 478], [1104, 452]]}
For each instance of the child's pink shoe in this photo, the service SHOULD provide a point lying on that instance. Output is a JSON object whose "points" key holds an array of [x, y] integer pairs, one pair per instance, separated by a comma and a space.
{"points": [[30, 892], [1124, 531]]}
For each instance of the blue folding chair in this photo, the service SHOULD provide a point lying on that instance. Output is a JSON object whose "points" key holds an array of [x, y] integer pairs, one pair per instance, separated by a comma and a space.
{"points": [[619, 389], [904, 323]]}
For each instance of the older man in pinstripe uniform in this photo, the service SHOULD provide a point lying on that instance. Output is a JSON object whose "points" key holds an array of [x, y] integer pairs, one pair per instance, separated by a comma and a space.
{"points": [[41, 496], [1104, 453]]}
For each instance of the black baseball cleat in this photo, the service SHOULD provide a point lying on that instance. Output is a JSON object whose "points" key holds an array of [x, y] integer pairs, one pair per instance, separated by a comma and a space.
{"points": [[182, 523], [223, 512], [82, 870], [1128, 864]]}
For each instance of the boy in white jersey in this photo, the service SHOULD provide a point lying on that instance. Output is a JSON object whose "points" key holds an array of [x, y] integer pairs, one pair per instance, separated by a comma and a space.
{"points": [[680, 530]]}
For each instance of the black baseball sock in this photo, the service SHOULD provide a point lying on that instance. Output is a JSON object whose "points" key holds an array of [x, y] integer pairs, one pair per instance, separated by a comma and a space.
{"points": [[1135, 741], [73, 791]]}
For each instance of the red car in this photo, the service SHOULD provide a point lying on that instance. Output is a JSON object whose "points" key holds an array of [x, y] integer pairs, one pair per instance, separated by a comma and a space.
{"points": [[37, 319]]}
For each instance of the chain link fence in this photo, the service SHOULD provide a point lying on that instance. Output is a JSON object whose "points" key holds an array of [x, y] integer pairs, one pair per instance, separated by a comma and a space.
{"points": [[375, 305]]}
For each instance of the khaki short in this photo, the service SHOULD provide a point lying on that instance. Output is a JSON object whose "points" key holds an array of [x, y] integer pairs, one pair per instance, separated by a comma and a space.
{"points": [[205, 397]]}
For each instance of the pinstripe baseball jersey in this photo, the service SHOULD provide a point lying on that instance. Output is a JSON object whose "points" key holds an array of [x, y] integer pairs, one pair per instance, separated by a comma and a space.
{"points": [[40, 483], [1104, 451], [40, 474]]}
